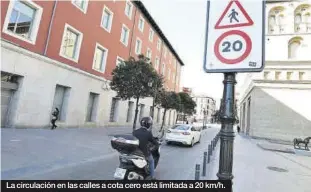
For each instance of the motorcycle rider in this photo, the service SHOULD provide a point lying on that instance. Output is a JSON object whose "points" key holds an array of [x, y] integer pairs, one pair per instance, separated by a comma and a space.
{"points": [[145, 136]]}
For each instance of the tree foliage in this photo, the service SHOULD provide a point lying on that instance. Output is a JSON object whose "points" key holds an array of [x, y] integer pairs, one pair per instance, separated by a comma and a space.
{"points": [[135, 79], [187, 104], [167, 100]]}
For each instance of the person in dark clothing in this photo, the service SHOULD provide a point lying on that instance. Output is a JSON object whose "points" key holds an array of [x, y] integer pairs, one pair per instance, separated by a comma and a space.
{"points": [[145, 137], [54, 118], [238, 128]]}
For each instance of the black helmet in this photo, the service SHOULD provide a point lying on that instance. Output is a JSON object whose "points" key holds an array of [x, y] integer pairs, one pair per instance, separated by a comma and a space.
{"points": [[146, 122]]}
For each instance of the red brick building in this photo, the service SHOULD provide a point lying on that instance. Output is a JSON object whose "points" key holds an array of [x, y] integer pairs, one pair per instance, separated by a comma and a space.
{"points": [[61, 54]]}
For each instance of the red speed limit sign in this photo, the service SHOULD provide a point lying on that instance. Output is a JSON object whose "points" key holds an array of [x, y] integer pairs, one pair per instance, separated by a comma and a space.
{"points": [[234, 37]]}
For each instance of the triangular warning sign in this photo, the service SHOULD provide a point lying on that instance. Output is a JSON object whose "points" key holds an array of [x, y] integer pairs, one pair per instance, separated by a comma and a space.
{"points": [[234, 16]]}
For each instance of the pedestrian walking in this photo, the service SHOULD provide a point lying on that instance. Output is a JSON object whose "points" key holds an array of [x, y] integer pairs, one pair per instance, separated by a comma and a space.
{"points": [[54, 118]]}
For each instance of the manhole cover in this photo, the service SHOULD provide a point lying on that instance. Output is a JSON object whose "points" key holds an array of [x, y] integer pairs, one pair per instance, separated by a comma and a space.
{"points": [[278, 169]]}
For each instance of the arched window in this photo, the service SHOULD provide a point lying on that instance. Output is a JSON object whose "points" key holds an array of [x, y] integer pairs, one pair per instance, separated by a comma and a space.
{"points": [[302, 18], [293, 47], [276, 20], [298, 18]]}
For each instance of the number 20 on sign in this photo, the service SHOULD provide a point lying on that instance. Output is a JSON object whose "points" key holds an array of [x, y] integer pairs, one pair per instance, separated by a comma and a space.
{"points": [[235, 31]]}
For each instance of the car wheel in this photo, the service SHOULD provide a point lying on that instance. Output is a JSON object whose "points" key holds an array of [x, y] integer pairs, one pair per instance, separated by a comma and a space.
{"points": [[192, 142]]}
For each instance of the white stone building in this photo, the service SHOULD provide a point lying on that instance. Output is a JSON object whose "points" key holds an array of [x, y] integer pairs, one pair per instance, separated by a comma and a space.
{"points": [[205, 108], [276, 103]]}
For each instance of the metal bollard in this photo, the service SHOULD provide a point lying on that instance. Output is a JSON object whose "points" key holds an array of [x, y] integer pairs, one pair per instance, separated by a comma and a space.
{"points": [[214, 143], [211, 147], [204, 164], [209, 154], [197, 172]]}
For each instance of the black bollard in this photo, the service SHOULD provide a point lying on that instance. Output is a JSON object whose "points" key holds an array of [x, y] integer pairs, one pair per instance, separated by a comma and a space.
{"points": [[211, 147], [214, 143], [204, 164], [209, 154], [197, 172]]}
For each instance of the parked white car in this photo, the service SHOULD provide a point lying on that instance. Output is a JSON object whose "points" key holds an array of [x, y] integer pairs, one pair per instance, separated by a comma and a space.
{"points": [[183, 133]]}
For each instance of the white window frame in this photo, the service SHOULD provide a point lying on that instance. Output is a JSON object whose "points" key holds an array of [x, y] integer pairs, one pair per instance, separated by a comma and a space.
{"points": [[105, 59], [83, 10], [165, 52], [131, 12], [149, 50], [169, 73], [151, 35], [141, 45], [173, 77], [110, 24], [80, 38], [157, 64], [35, 26], [159, 43], [119, 58], [163, 69], [143, 25], [127, 40]]}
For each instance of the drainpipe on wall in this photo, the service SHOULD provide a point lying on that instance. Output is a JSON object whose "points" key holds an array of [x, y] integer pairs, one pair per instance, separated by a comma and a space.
{"points": [[50, 28], [133, 30]]}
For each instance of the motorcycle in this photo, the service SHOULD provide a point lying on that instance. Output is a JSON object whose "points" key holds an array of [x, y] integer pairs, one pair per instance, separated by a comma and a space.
{"points": [[133, 164]]}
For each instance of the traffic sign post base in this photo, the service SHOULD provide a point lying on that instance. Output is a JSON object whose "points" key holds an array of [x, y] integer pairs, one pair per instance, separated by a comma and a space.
{"points": [[227, 118]]}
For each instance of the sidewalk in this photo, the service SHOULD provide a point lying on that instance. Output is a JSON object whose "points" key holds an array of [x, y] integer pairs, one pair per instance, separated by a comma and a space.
{"points": [[258, 170]]}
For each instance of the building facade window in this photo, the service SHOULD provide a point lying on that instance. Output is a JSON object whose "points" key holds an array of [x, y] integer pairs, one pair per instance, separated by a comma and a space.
{"points": [[151, 34], [141, 24], [138, 46], [293, 47], [159, 44], [130, 108], [277, 75], [114, 110], [165, 52], [266, 75], [22, 20], [119, 61], [169, 74], [107, 18], [81, 4], [276, 20], [163, 69], [149, 53], [289, 75], [100, 58], [301, 75], [157, 62], [303, 18], [61, 100], [142, 111], [71, 43], [128, 9], [92, 107], [125, 33]]}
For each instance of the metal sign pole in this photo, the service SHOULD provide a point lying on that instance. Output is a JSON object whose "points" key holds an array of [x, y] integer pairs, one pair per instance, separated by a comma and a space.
{"points": [[227, 118]]}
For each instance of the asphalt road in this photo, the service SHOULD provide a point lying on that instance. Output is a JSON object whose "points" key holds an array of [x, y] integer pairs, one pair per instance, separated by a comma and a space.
{"points": [[176, 162]]}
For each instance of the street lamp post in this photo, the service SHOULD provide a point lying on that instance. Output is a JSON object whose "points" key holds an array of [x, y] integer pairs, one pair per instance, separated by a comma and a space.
{"points": [[227, 118]]}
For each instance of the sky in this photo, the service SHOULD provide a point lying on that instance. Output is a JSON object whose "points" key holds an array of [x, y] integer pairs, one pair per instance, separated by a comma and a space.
{"points": [[183, 23]]}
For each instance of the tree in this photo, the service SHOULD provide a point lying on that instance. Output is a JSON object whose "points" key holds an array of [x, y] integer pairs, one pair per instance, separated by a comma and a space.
{"points": [[132, 79], [186, 105], [167, 100], [157, 85]]}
